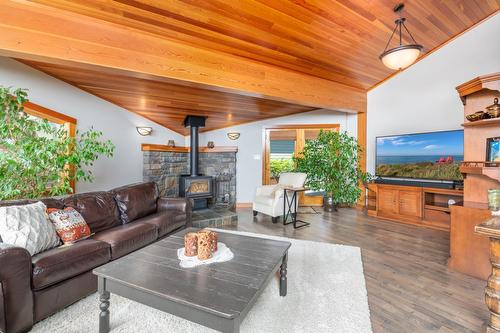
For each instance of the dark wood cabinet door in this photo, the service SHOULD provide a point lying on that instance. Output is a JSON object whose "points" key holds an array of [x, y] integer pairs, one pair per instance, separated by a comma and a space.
{"points": [[387, 201], [410, 203]]}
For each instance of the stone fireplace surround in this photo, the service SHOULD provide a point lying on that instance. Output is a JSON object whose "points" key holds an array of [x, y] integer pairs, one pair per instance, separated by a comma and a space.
{"points": [[164, 165]]}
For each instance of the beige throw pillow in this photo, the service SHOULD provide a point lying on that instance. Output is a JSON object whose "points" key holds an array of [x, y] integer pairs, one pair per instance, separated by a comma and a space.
{"points": [[28, 227]]}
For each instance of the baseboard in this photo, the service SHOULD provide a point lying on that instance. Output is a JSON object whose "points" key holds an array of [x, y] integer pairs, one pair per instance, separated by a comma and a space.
{"points": [[244, 204]]}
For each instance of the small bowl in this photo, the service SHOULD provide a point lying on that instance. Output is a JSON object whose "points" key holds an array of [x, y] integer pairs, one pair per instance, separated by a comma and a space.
{"points": [[475, 116]]}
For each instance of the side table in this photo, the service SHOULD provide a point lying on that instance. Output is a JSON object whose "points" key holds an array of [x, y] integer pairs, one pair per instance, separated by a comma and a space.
{"points": [[290, 202]]}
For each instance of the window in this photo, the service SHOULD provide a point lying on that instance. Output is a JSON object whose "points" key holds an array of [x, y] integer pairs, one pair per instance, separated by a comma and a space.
{"points": [[58, 119]]}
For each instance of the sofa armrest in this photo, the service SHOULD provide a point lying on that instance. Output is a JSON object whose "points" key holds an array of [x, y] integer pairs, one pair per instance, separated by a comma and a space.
{"points": [[279, 194], [265, 189], [176, 204], [16, 294]]}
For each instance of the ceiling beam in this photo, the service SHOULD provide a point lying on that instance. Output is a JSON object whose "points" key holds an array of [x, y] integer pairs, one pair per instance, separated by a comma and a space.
{"points": [[42, 33]]}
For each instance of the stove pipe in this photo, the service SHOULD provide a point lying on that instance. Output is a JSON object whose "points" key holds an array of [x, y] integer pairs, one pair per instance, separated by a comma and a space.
{"points": [[194, 123]]}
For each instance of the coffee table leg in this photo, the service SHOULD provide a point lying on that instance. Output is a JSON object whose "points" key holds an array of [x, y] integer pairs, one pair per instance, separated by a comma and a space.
{"points": [[283, 287], [231, 326], [104, 306]]}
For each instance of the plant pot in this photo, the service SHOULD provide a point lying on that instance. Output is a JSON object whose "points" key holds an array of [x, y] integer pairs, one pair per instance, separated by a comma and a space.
{"points": [[329, 205]]}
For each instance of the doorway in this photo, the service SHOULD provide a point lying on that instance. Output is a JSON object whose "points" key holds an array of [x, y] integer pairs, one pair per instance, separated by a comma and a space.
{"points": [[281, 144]]}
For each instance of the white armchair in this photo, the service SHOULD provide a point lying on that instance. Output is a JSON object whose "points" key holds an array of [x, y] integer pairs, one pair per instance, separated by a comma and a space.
{"points": [[269, 198]]}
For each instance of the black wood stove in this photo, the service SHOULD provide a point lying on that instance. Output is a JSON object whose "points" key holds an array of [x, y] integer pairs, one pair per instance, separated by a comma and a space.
{"points": [[198, 187]]}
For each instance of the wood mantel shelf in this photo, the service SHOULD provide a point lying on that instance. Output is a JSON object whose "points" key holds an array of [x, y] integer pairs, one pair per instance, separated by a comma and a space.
{"points": [[483, 123], [488, 169], [220, 149], [491, 82]]}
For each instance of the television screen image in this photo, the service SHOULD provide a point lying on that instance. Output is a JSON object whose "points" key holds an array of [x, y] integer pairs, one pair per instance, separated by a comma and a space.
{"points": [[435, 155]]}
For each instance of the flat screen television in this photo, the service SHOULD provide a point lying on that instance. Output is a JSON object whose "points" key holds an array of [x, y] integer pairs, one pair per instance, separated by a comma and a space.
{"points": [[429, 156]]}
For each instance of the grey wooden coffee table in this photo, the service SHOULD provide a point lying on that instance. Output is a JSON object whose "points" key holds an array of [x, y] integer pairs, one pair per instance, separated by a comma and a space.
{"points": [[218, 296]]}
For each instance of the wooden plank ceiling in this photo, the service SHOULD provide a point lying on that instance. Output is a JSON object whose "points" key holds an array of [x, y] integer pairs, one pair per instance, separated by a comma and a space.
{"points": [[337, 40], [168, 104]]}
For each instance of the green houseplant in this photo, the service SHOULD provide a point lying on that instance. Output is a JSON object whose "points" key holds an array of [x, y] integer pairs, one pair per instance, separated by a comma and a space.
{"points": [[331, 162], [35, 154]]}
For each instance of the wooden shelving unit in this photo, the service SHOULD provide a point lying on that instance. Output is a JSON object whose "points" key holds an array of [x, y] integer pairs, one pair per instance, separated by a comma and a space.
{"points": [[488, 169], [371, 199], [483, 123], [442, 207], [469, 252], [424, 206], [437, 208]]}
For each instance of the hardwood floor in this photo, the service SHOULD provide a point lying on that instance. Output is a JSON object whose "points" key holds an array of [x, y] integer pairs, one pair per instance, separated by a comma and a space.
{"points": [[410, 288]]}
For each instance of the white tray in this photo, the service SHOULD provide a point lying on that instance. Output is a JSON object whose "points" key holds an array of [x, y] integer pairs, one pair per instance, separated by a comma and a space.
{"points": [[222, 254]]}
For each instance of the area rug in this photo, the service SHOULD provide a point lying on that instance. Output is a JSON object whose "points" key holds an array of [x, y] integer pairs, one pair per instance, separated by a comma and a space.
{"points": [[326, 293]]}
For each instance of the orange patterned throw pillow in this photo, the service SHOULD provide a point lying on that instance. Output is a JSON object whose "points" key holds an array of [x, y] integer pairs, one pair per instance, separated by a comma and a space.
{"points": [[69, 224]]}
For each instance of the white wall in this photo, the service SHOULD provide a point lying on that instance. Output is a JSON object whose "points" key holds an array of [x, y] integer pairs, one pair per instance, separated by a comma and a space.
{"points": [[423, 97], [250, 143], [117, 124]]}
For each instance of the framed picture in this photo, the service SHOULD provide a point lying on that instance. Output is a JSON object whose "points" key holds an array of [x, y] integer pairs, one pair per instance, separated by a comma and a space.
{"points": [[493, 149]]}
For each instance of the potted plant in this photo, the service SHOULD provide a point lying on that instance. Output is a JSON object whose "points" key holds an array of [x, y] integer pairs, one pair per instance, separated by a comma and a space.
{"points": [[35, 155], [331, 162]]}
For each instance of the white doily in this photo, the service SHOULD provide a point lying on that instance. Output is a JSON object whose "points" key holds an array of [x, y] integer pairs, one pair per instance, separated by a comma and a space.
{"points": [[222, 254]]}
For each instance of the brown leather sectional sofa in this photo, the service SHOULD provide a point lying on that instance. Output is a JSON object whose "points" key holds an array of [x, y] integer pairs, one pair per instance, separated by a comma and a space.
{"points": [[123, 220]]}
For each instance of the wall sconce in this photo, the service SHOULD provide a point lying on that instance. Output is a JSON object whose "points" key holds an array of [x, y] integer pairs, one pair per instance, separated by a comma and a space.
{"points": [[233, 135], [171, 143], [144, 131], [210, 144]]}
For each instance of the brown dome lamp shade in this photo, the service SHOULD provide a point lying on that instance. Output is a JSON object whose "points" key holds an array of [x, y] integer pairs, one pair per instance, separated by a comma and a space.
{"points": [[402, 55]]}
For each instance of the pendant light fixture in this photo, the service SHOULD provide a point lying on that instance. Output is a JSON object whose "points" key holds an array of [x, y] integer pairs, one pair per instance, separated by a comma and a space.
{"points": [[402, 55]]}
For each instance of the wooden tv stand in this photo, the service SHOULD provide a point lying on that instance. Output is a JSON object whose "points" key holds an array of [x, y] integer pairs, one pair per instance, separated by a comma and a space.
{"points": [[424, 206]]}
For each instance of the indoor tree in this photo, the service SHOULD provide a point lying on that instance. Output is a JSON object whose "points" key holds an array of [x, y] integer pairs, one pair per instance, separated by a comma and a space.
{"points": [[331, 162], [36, 155]]}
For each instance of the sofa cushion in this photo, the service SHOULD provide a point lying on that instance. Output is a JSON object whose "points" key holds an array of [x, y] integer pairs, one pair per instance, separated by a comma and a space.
{"points": [[136, 201], [64, 262], [97, 208], [58, 296], [127, 238], [165, 222]]}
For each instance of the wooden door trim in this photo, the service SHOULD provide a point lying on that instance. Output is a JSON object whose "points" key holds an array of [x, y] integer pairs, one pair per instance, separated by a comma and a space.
{"points": [[266, 146], [305, 126]]}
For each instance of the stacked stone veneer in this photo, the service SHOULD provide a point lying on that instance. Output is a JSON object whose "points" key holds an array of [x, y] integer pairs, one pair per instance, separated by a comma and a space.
{"points": [[165, 168]]}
